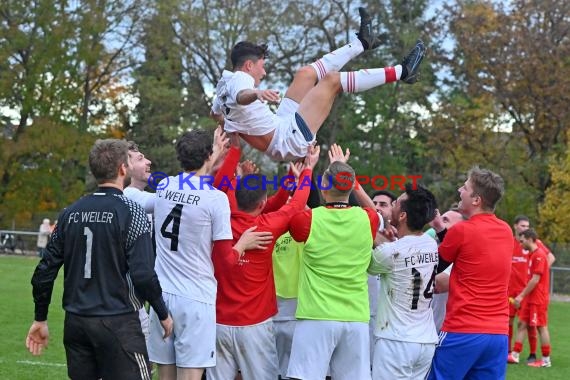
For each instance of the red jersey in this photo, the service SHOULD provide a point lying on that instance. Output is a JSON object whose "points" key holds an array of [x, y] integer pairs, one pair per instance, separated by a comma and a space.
{"points": [[538, 264], [481, 250], [246, 288], [519, 270]]}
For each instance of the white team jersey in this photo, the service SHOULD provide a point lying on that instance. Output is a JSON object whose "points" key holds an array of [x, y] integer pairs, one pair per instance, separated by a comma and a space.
{"points": [[253, 119], [188, 217], [407, 270], [143, 198]]}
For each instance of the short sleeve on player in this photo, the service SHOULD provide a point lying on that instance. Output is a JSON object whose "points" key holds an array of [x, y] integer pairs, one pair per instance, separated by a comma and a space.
{"points": [[240, 81], [382, 260], [221, 227], [538, 264]]}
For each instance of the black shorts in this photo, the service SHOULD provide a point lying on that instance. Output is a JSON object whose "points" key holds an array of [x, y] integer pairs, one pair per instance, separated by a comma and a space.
{"points": [[105, 347]]}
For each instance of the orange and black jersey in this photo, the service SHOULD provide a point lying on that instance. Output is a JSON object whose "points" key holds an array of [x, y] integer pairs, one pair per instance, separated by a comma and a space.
{"points": [[103, 242]]}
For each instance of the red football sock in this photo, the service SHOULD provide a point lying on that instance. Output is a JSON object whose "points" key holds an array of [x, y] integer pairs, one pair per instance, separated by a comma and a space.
{"points": [[518, 347], [532, 339], [545, 350], [510, 336]]}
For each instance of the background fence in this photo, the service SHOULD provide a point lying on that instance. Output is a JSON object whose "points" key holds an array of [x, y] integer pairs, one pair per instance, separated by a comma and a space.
{"points": [[18, 242], [24, 243]]}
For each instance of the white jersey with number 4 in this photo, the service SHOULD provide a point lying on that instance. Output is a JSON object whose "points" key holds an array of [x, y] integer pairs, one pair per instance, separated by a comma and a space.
{"points": [[188, 217], [407, 274]]}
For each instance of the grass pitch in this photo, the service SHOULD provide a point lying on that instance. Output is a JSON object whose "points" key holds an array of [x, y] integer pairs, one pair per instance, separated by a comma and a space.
{"points": [[16, 363]]}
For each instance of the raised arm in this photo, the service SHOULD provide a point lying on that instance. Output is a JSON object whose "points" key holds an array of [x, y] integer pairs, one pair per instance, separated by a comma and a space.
{"points": [[248, 96], [336, 154]]}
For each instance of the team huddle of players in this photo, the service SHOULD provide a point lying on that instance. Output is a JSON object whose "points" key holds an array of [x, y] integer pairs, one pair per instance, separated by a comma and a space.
{"points": [[287, 285]]}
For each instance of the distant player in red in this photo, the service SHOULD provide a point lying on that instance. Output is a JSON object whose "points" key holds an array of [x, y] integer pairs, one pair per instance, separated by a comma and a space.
{"points": [[518, 280], [534, 308]]}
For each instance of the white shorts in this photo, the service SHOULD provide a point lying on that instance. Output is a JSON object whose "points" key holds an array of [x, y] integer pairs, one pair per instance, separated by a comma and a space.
{"points": [[284, 340], [193, 341], [288, 142], [251, 349], [145, 323], [371, 328], [343, 345], [401, 360]]}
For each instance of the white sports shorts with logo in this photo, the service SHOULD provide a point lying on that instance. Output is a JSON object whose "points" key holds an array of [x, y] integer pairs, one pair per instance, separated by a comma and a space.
{"points": [[288, 141], [250, 349], [407, 360], [193, 341], [343, 345]]}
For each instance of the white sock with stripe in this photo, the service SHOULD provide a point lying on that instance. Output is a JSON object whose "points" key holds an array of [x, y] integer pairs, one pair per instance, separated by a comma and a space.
{"points": [[335, 60], [362, 80]]}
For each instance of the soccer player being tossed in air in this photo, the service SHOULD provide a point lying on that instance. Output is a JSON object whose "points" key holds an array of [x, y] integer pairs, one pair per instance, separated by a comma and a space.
{"points": [[285, 135]]}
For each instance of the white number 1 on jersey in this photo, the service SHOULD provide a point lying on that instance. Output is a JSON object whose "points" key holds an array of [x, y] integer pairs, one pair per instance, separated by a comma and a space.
{"points": [[89, 245]]}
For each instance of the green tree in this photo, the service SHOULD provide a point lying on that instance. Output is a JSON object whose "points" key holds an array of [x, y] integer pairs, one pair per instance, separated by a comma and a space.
{"points": [[44, 173], [34, 79], [555, 210], [159, 85], [504, 91]]}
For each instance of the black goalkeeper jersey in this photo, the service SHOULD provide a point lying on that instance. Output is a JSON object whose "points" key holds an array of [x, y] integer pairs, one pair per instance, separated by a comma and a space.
{"points": [[103, 242]]}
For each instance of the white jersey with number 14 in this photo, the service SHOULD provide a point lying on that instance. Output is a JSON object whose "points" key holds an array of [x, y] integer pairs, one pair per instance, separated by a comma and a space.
{"points": [[407, 270]]}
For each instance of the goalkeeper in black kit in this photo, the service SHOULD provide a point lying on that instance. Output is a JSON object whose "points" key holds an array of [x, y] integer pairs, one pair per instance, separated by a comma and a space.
{"points": [[103, 242]]}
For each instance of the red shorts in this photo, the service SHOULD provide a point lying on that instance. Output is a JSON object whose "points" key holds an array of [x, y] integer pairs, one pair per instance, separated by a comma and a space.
{"points": [[533, 314]]}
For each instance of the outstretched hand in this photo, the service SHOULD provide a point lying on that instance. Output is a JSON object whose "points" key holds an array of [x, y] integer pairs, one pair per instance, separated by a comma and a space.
{"points": [[246, 167], [312, 156], [221, 142], [38, 337], [389, 233], [437, 222], [271, 96], [335, 154], [296, 168]]}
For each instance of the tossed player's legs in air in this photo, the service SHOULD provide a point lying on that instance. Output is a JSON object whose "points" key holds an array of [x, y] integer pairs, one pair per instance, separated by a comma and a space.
{"points": [[307, 76], [316, 105]]}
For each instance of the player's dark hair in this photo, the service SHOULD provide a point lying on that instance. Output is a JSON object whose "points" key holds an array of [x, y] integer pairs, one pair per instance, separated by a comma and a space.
{"points": [[105, 158], [488, 185], [521, 218], [419, 207], [529, 234], [193, 148], [245, 51], [251, 190], [133, 147], [383, 192]]}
